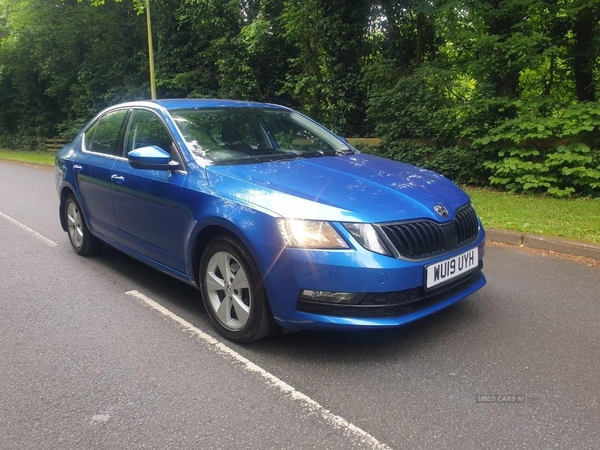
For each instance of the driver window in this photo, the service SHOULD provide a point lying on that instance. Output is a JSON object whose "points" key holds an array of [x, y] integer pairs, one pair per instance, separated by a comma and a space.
{"points": [[147, 129]]}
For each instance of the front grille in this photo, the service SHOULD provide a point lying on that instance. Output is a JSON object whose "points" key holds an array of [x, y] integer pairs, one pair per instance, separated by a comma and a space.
{"points": [[426, 238], [467, 225], [390, 304]]}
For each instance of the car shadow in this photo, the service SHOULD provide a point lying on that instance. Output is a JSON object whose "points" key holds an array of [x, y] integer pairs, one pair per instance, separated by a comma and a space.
{"points": [[168, 291], [324, 347], [362, 346]]}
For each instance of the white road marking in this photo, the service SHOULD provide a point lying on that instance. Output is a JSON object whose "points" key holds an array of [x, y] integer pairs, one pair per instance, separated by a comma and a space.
{"points": [[100, 418], [37, 235], [307, 402]]}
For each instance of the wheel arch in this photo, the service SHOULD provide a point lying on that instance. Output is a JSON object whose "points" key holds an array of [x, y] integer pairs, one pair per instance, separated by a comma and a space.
{"points": [[202, 239], [252, 232]]}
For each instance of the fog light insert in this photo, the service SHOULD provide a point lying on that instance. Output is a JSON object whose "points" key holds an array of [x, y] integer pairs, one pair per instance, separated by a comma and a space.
{"points": [[330, 297]]}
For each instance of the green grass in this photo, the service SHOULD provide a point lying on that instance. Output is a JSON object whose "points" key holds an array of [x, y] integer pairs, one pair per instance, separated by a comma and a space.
{"points": [[573, 219], [42, 158], [577, 219]]}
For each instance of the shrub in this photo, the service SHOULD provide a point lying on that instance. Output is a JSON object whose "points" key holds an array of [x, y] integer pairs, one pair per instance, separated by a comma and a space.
{"points": [[557, 155], [461, 164]]}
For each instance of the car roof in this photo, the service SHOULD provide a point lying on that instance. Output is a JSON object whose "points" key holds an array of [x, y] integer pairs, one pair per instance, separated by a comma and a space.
{"points": [[201, 103], [188, 103]]}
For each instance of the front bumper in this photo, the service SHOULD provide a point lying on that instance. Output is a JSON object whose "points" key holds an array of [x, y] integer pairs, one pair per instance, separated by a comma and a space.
{"points": [[318, 321], [390, 291]]}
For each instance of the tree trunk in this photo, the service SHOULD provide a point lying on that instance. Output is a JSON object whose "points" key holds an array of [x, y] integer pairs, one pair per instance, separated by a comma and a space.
{"points": [[583, 54]]}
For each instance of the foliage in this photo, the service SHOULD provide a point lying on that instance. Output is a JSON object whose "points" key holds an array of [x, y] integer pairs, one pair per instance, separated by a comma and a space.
{"points": [[459, 163], [505, 89], [411, 104], [557, 154], [325, 75], [62, 61]]}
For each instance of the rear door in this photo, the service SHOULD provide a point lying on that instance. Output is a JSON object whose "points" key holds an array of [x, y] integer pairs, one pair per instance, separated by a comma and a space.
{"points": [[101, 147], [147, 202]]}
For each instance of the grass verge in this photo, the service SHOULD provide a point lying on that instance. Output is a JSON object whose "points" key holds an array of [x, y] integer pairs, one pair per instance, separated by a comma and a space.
{"points": [[42, 158], [577, 219]]}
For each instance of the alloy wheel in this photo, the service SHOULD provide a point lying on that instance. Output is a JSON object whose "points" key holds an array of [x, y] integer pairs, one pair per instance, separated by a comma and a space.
{"points": [[228, 290], [75, 224]]}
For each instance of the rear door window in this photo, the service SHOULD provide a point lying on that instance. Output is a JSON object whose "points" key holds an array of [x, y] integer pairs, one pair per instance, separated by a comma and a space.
{"points": [[105, 135]]}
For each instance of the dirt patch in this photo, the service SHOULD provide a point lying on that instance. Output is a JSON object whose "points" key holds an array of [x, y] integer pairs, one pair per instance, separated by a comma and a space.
{"points": [[591, 262]]}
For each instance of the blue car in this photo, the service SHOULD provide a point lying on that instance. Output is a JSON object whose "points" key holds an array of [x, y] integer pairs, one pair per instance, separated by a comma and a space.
{"points": [[277, 221]]}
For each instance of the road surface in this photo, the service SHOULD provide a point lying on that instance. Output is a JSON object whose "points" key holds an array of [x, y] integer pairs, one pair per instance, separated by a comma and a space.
{"points": [[104, 352]]}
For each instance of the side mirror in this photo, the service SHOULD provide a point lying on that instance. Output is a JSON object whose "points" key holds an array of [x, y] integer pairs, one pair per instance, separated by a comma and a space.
{"points": [[152, 158]]}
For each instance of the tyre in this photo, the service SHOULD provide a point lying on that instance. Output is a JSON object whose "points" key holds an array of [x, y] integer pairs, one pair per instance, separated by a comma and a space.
{"points": [[233, 293], [81, 239]]}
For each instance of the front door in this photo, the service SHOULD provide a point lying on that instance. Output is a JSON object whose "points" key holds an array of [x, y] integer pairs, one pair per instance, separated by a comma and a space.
{"points": [[147, 202]]}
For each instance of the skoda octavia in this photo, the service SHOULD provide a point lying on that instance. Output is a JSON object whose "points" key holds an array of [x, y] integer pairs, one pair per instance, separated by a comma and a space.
{"points": [[277, 221]]}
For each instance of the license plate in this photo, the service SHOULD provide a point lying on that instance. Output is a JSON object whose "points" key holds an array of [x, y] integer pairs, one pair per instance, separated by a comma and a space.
{"points": [[451, 268]]}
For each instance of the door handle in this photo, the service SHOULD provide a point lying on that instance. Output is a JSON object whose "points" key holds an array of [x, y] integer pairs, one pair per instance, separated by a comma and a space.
{"points": [[77, 168], [117, 179]]}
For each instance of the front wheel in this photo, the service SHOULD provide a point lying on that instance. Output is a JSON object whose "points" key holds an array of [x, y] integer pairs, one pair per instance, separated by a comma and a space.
{"points": [[82, 241], [233, 292]]}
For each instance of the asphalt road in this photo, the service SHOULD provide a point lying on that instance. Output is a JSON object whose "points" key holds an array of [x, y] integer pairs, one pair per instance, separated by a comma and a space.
{"points": [[86, 363]]}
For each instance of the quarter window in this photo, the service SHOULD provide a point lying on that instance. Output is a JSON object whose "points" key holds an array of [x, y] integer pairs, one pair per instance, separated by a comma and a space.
{"points": [[89, 136]]}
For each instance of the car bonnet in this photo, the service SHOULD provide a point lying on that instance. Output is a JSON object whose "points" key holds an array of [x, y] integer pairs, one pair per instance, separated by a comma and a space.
{"points": [[351, 188]]}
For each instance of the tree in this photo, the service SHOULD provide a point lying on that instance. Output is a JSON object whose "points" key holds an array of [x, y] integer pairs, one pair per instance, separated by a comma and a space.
{"points": [[585, 49], [62, 61]]}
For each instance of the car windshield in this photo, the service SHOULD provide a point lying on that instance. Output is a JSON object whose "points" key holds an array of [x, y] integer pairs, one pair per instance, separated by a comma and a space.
{"points": [[239, 136]]}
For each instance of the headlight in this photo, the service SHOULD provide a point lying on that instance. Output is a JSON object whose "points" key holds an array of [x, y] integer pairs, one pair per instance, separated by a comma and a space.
{"points": [[366, 235], [309, 234]]}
